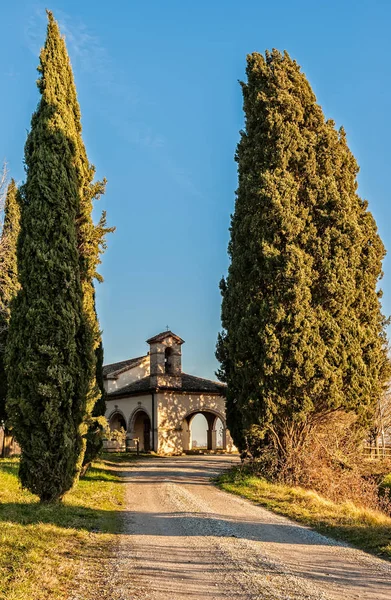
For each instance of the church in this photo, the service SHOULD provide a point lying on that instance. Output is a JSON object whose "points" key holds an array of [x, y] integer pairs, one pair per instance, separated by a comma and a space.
{"points": [[154, 401]]}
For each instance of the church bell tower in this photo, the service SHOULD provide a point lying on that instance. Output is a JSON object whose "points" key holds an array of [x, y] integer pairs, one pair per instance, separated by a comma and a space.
{"points": [[166, 360]]}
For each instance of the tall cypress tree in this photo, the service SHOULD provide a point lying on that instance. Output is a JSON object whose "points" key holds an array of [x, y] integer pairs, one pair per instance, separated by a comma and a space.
{"points": [[50, 350], [303, 333], [91, 244], [9, 284]]}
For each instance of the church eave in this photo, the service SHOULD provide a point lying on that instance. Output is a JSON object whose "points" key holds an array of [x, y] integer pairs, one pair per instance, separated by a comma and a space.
{"points": [[190, 385]]}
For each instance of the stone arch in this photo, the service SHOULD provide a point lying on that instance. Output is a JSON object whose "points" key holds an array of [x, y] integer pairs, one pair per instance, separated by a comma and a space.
{"points": [[212, 411], [139, 426], [220, 428], [117, 420], [211, 416]]}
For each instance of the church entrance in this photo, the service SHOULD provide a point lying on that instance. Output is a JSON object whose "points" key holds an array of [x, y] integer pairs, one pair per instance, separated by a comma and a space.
{"points": [[142, 430]]}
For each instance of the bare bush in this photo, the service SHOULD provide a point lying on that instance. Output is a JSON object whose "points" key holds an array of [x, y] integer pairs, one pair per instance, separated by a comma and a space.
{"points": [[332, 463]]}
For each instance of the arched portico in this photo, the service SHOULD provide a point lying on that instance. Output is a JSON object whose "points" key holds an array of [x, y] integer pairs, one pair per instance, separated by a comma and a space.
{"points": [[211, 417], [140, 427], [117, 421]]}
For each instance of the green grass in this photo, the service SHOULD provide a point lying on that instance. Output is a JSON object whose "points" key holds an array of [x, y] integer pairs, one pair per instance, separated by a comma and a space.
{"points": [[126, 457], [43, 547], [367, 529]]}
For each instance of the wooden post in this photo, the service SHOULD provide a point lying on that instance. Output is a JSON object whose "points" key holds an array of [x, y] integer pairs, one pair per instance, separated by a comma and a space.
{"points": [[2, 438]]}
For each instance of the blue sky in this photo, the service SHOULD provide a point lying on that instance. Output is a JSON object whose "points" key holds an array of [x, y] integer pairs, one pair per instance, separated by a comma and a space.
{"points": [[162, 109]]}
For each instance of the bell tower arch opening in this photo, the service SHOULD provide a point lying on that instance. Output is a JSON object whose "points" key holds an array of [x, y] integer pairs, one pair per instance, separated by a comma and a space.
{"points": [[168, 365]]}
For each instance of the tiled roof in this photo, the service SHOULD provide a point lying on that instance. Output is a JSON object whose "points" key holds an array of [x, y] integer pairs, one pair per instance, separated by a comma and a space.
{"points": [[140, 385], [162, 336], [123, 365], [190, 383]]}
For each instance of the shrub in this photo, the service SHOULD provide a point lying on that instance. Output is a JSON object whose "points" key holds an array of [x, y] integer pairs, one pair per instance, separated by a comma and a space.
{"points": [[331, 463]]}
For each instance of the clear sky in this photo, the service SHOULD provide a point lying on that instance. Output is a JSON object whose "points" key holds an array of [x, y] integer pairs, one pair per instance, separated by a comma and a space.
{"points": [[162, 109]]}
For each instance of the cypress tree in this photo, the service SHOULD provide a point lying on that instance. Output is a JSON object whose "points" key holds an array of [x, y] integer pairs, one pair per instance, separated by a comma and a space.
{"points": [[303, 333], [50, 350], [98, 423], [9, 284], [91, 244]]}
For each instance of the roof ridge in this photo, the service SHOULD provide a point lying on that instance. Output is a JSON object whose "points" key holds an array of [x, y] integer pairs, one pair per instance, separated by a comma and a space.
{"points": [[164, 334], [122, 364], [126, 360]]}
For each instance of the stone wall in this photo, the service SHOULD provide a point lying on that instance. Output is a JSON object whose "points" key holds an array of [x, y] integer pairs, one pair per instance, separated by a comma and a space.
{"points": [[174, 420], [128, 376], [173, 411]]}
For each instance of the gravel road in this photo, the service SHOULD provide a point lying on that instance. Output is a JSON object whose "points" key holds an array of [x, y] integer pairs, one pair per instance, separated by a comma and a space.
{"points": [[185, 539]]}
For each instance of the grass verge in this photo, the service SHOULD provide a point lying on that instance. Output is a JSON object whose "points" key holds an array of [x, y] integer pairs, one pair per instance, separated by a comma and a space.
{"points": [[46, 550], [367, 529]]}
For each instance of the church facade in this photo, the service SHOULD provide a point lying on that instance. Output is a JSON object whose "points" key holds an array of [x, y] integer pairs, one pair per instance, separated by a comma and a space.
{"points": [[155, 402]]}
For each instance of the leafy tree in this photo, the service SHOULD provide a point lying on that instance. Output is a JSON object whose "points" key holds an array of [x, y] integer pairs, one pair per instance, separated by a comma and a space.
{"points": [[9, 284], [50, 350], [303, 333]]}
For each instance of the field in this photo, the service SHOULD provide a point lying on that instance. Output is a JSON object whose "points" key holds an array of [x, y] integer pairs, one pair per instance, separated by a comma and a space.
{"points": [[367, 529], [47, 551]]}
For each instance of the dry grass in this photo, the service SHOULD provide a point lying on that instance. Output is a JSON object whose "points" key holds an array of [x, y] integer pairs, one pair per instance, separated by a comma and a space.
{"points": [[387, 482], [365, 528], [44, 548]]}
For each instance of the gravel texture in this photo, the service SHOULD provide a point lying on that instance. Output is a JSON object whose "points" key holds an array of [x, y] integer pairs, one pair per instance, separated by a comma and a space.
{"points": [[185, 539]]}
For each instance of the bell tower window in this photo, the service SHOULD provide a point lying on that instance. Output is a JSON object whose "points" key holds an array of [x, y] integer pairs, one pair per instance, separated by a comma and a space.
{"points": [[168, 367]]}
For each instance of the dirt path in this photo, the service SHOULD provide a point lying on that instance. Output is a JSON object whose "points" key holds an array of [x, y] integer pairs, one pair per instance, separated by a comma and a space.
{"points": [[185, 539]]}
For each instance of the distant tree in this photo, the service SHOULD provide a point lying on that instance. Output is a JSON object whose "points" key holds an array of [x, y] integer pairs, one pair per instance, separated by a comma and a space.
{"points": [[9, 284], [303, 333], [50, 349]]}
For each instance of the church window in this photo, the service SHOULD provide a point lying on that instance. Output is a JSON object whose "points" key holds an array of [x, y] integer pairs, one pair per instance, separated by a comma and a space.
{"points": [[168, 361]]}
